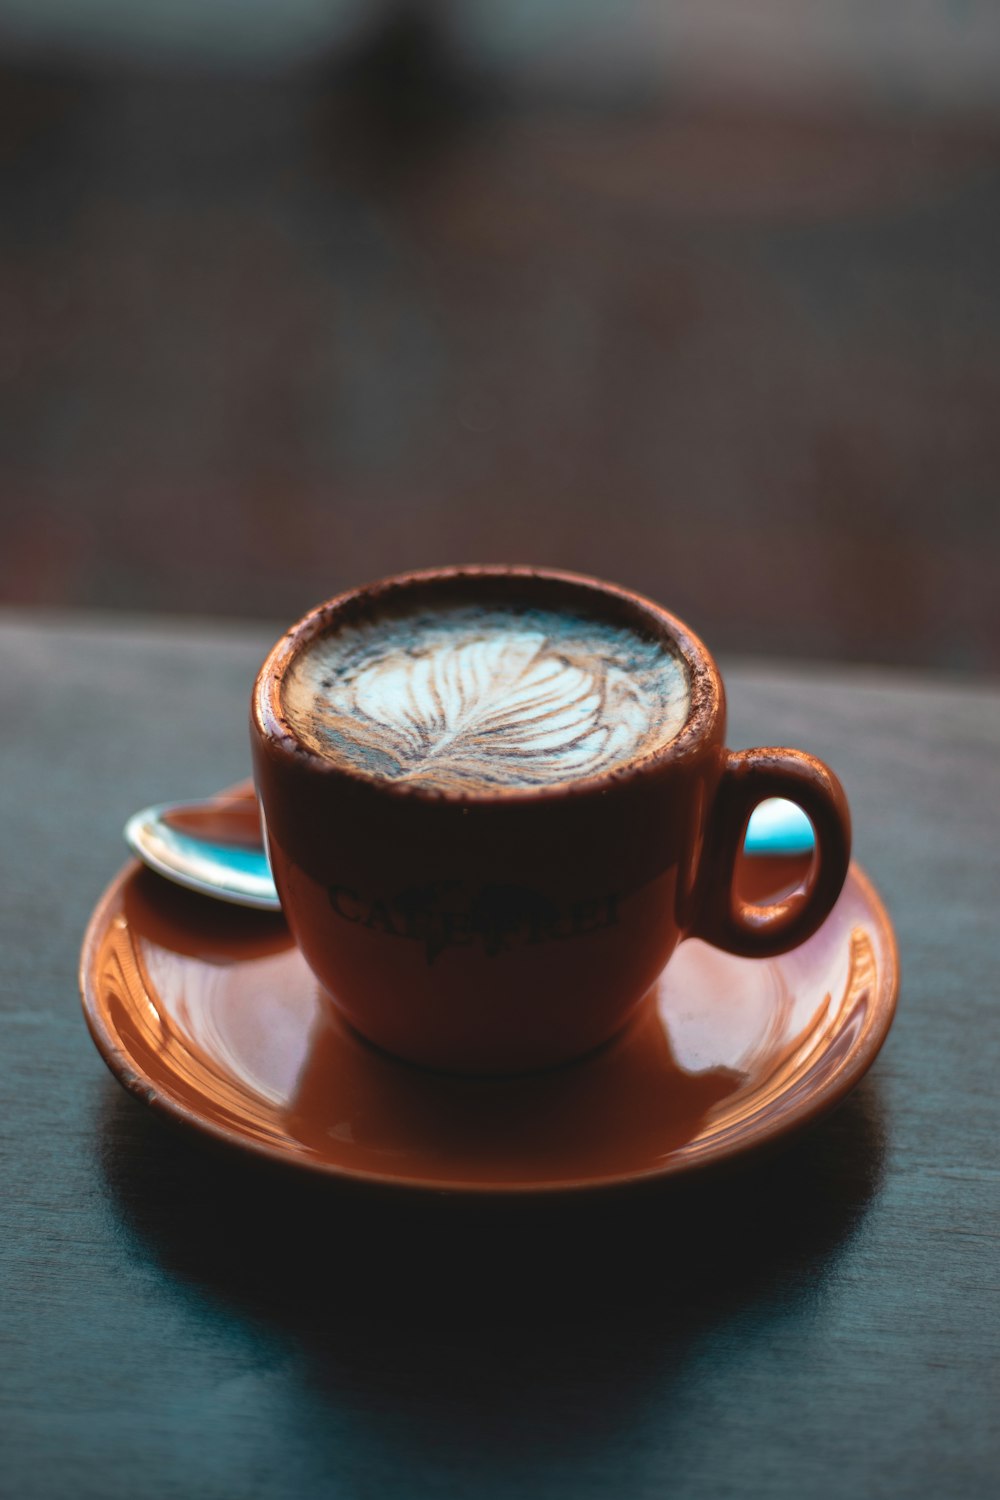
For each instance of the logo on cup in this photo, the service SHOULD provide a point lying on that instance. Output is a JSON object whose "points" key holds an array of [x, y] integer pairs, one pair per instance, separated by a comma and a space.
{"points": [[497, 918]]}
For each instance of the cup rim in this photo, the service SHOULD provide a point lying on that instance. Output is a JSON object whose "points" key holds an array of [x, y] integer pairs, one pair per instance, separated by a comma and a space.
{"points": [[707, 694]]}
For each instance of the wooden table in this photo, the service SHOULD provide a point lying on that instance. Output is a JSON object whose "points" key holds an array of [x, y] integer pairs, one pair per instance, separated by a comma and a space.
{"points": [[821, 1323]]}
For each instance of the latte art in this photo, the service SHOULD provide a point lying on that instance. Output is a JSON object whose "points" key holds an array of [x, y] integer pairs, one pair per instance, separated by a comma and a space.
{"points": [[477, 697]]}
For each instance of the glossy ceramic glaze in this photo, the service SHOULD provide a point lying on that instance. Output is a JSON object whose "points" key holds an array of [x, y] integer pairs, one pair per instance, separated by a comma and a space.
{"points": [[210, 1014]]}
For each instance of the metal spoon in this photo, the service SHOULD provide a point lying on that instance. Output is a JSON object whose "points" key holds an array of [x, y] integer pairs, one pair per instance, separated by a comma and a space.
{"points": [[215, 846]]}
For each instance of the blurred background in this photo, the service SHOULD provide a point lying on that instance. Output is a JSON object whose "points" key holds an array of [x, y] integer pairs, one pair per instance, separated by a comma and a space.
{"points": [[702, 296]]}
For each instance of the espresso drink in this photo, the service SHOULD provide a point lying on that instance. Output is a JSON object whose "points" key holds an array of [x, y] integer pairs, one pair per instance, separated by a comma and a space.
{"points": [[476, 697]]}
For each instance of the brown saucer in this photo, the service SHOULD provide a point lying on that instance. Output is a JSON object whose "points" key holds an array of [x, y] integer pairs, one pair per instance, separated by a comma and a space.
{"points": [[208, 1013]]}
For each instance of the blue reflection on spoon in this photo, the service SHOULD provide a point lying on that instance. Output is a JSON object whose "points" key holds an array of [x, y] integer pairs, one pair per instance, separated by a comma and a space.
{"points": [[236, 872]]}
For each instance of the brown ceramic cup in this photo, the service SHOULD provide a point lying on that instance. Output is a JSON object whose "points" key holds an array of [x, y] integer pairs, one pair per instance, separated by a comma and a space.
{"points": [[506, 930]]}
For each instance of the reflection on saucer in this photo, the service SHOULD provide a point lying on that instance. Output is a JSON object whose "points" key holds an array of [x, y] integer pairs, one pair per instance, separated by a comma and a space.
{"points": [[535, 1125], [210, 1013]]}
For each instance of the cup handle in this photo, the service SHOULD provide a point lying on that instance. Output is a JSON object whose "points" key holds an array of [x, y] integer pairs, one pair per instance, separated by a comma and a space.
{"points": [[750, 776]]}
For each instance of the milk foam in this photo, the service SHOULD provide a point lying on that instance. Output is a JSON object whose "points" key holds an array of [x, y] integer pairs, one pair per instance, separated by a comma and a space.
{"points": [[477, 696]]}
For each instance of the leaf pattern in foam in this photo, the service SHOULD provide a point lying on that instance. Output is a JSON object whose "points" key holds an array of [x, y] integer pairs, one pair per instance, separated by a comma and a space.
{"points": [[485, 697], [499, 709]]}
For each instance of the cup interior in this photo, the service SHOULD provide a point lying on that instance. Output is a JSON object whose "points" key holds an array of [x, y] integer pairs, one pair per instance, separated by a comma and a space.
{"points": [[499, 587]]}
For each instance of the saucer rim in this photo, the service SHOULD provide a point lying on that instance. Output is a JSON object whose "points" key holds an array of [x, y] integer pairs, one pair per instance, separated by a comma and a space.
{"points": [[770, 1132]]}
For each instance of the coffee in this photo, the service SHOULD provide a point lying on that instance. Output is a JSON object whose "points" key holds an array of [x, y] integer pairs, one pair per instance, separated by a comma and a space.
{"points": [[476, 697]]}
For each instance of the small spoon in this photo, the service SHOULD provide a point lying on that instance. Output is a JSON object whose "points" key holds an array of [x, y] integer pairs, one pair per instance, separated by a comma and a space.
{"points": [[215, 846]]}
